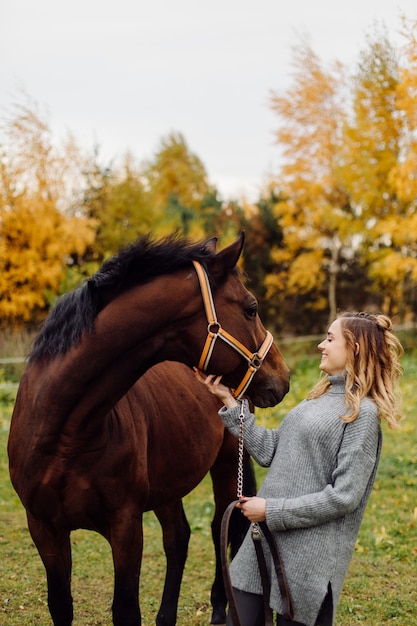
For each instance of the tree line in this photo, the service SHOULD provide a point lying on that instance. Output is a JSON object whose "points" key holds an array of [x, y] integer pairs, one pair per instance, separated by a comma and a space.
{"points": [[334, 227]]}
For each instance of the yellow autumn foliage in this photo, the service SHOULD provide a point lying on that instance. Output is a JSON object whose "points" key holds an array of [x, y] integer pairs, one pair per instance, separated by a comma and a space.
{"points": [[404, 174], [349, 175], [177, 184], [36, 242], [38, 237]]}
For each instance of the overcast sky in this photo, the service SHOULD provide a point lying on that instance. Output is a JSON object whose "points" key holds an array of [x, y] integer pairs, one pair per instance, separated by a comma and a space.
{"points": [[124, 74]]}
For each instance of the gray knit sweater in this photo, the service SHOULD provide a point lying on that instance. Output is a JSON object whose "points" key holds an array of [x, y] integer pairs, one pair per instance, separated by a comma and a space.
{"points": [[320, 478]]}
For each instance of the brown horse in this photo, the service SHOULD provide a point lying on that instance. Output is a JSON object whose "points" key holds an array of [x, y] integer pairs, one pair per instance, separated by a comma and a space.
{"points": [[73, 444]]}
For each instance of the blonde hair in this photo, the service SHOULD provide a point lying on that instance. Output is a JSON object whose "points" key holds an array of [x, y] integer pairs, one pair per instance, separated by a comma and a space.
{"points": [[373, 366]]}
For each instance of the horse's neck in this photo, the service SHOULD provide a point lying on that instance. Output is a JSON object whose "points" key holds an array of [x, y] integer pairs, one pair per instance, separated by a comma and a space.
{"points": [[128, 337]]}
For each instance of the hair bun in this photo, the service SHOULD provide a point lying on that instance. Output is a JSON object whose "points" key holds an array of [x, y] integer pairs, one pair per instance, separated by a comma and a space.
{"points": [[383, 322]]}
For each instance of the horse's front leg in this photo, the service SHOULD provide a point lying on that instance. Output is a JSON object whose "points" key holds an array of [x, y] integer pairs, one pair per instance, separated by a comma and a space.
{"points": [[54, 548], [126, 541], [176, 535]]}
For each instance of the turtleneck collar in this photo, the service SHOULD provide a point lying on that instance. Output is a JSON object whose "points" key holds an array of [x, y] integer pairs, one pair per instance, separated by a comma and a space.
{"points": [[338, 383]]}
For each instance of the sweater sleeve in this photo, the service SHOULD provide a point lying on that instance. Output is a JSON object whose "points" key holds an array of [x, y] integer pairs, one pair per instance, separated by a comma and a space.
{"points": [[259, 441], [356, 461]]}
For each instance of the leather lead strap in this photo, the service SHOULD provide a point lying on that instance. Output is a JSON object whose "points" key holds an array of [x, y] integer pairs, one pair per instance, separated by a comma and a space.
{"points": [[263, 570], [288, 608], [224, 532], [287, 603]]}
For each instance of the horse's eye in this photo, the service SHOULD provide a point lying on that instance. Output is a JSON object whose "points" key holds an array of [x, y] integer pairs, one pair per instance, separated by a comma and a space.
{"points": [[252, 310]]}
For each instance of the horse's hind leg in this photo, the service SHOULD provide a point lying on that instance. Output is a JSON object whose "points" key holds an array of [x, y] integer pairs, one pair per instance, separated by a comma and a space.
{"points": [[176, 535], [54, 548]]}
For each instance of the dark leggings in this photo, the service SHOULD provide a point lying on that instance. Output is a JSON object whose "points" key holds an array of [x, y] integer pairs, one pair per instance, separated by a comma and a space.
{"points": [[251, 610], [250, 607]]}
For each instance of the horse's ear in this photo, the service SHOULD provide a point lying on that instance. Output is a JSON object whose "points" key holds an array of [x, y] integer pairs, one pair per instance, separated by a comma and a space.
{"points": [[230, 255], [210, 245]]}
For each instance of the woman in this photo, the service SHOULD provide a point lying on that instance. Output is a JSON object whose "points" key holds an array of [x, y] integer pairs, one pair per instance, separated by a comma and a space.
{"points": [[323, 460]]}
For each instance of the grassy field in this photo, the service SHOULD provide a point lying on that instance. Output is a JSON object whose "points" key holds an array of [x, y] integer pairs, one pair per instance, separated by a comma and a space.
{"points": [[381, 586]]}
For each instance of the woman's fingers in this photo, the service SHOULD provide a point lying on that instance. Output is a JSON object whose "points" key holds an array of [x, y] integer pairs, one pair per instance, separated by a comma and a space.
{"points": [[215, 386], [206, 379]]}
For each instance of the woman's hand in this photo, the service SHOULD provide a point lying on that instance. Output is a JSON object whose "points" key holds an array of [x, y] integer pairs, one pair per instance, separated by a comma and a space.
{"points": [[213, 384], [253, 508]]}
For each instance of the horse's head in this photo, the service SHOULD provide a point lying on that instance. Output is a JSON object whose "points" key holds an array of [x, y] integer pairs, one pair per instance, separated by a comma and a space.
{"points": [[237, 344]]}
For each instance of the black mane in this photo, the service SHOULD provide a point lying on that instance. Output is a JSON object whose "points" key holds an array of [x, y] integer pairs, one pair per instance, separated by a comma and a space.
{"points": [[137, 263]]}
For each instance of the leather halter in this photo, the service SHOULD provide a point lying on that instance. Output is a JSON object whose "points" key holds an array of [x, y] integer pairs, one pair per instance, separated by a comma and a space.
{"points": [[215, 331]]}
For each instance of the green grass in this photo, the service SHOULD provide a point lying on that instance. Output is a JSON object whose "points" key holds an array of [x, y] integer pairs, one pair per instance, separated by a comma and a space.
{"points": [[381, 586]]}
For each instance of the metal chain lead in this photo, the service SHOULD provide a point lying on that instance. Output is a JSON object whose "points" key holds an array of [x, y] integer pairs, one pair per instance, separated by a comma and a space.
{"points": [[240, 454]]}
